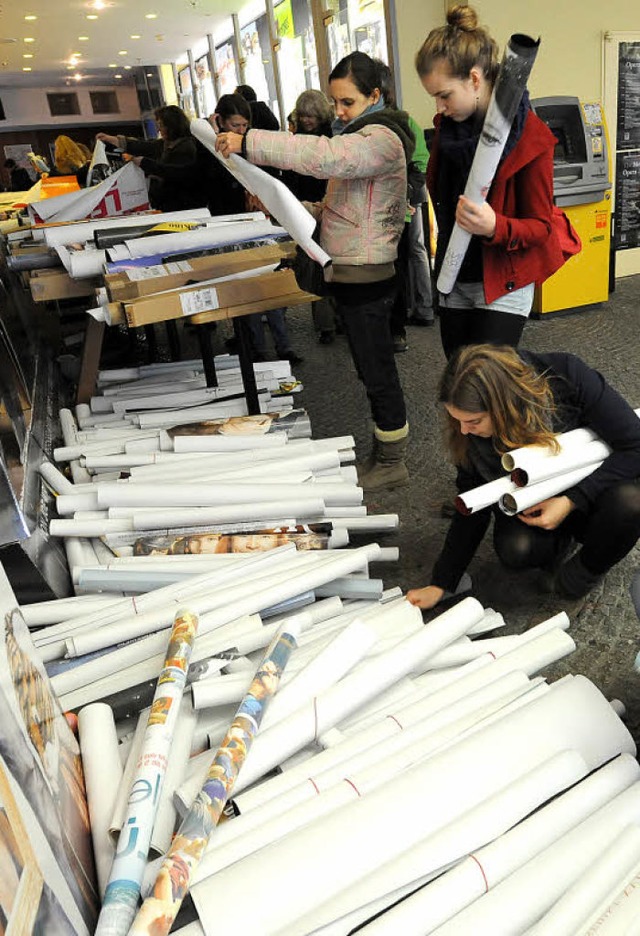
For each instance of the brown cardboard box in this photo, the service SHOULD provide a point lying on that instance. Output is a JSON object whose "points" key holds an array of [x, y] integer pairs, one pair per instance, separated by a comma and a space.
{"points": [[53, 284], [194, 300], [121, 287]]}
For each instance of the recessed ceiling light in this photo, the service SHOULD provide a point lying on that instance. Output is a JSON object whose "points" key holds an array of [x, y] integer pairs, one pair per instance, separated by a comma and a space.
{"points": [[98, 4], [92, 16], [112, 65], [27, 55], [117, 76], [26, 68], [135, 37], [78, 76], [30, 17], [123, 52], [70, 67], [28, 39], [83, 38], [127, 67], [149, 74], [151, 16]]}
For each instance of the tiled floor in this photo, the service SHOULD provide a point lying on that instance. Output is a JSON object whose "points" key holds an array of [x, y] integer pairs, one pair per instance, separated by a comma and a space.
{"points": [[604, 624]]}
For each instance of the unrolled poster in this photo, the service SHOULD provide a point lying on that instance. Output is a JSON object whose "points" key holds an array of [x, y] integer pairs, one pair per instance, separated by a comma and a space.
{"points": [[627, 226], [295, 423], [206, 543], [47, 881]]}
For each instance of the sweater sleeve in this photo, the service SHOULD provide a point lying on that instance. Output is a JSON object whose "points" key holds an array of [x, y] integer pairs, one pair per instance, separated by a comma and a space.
{"points": [[420, 154], [607, 413], [367, 153], [149, 148], [463, 538]]}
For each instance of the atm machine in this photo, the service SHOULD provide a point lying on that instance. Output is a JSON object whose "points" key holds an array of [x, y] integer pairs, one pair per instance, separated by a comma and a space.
{"points": [[582, 188]]}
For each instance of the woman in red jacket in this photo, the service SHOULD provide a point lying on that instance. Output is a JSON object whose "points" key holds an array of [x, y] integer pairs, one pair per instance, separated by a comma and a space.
{"points": [[514, 245]]}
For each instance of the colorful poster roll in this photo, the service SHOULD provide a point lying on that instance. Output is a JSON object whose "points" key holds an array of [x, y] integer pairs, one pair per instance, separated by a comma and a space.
{"points": [[123, 890], [172, 883], [519, 56]]}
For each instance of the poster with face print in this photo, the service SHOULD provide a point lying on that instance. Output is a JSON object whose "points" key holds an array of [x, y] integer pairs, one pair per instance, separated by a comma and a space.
{"points": [[47, 880]]}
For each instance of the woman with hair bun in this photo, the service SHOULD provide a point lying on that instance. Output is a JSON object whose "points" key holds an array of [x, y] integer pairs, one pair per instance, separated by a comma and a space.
{"points": [[497, 399], [514, 245]]}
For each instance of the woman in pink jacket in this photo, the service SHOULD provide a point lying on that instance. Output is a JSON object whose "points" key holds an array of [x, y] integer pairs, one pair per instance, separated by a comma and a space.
{"points": [[361, 220]]}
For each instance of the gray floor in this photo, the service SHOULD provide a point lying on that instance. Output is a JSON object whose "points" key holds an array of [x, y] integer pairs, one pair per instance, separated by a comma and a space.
{"points": [[604, 624]]}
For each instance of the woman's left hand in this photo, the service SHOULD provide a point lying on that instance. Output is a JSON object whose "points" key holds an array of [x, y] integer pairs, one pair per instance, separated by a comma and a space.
{"points": [[548, 514], [228, 143], [476, 219]]}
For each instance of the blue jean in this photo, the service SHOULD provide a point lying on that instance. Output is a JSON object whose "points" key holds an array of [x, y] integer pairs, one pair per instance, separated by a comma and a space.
{"points": [[277, 327], [369, 335]]}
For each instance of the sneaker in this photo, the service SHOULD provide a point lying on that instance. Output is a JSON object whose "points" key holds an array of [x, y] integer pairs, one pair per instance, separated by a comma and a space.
{"points": [[326, 337], [400, 344]]}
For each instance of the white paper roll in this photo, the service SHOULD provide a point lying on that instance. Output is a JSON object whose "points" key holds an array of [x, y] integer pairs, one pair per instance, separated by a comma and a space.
{"points": [[532, 494], [102, 774], [484, 495], [219, 494]]}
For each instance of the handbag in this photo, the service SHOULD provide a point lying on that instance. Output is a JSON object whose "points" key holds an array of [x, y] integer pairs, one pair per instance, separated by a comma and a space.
{"points": [[568, 237], [308, 272]]}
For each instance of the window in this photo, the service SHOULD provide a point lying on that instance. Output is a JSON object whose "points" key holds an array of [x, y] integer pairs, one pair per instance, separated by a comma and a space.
{"points": [[104, 102], [63, 105]]}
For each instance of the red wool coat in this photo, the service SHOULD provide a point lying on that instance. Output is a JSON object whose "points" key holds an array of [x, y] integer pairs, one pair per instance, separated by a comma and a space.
{"points": [[525, 247]]}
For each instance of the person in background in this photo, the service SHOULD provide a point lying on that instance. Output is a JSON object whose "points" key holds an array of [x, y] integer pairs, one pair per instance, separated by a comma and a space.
{"points": [[170, 161], [513, 244], [262, 117], [413, 300], [497, 399], [71, 158], [19, 178], [361, 220], [314, 115], [228, 196]]}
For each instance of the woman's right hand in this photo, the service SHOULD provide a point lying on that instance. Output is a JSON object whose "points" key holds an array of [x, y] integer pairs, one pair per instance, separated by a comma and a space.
{"points": [[425, 597], [107, 138]]}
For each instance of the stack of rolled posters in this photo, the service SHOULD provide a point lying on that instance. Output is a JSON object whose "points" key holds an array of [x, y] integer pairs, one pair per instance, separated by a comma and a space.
{"points": [[123, 888], [537, 472], [519, 56], [368, 683]]}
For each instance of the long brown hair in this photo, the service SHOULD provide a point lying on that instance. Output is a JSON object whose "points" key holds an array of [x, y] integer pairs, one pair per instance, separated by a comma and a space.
{"points": [[461, 44], [494, 379]]}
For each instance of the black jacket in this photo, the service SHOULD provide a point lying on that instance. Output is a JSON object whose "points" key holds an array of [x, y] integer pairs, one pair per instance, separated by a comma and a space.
{"points": [[583, 398], [172, 168]]}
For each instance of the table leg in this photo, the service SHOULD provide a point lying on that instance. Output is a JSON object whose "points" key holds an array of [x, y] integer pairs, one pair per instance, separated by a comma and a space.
{"points": [[206, 351], [90, 362], [246, 365]]}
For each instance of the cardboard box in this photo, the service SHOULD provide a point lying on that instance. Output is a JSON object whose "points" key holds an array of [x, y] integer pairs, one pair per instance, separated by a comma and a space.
{"points": [[137, 282], [274, 289], [48, 285]]}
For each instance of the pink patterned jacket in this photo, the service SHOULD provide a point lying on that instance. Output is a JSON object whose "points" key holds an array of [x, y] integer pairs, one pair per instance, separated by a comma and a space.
{"points": [[362, 214]]}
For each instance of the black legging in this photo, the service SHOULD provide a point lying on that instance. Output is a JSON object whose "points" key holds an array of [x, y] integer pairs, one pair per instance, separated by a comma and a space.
{"points": [[608, 531], [460, 327]]}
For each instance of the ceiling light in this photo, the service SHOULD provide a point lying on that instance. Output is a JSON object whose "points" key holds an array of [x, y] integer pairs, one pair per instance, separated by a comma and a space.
{"points": [[70, 67], [27, 55], [30, 17], [83, 38], [29, 39], [151, 16], [117, 76], [123, 52], [26, 68], [127, 67], [78, 76], [98, 4], [112, 65], [135, 37], [149, 74], [92, 16]]}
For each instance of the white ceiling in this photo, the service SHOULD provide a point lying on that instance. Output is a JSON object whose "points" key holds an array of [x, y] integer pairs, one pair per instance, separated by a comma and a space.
{"points": [[178, 26]]}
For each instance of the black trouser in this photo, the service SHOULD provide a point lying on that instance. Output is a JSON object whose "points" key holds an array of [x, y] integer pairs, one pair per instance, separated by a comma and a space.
{"points": [[400, 310], [368, 332], [608, 531], [459, 327]]}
